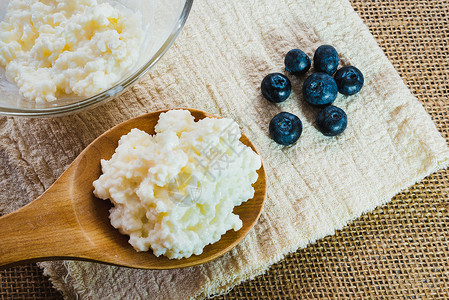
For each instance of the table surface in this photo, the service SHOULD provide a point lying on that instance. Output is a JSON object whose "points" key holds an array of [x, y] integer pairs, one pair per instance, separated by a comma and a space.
{"points": [[398, 251]]}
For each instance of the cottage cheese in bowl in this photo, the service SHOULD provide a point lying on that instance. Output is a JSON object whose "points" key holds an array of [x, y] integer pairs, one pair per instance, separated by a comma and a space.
{"points": [[174, 192], [54, 47]]}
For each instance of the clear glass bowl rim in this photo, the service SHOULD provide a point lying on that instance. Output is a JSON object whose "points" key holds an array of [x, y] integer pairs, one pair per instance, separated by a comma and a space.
{"points": [[111, 92]]}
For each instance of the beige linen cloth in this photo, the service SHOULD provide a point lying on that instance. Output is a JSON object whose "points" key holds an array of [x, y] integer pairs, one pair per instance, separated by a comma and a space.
{"points": [[217, 64]]}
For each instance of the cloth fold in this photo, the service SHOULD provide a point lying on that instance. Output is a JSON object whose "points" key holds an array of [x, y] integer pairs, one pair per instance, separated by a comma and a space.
{"points": [[217, 63]]}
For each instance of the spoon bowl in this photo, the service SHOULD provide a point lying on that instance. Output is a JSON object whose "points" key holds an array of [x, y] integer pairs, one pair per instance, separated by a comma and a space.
{"points": [[68, 222]]}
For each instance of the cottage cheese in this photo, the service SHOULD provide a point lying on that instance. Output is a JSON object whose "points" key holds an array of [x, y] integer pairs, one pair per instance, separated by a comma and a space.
{"points": [[57, 47], [174, 192]]}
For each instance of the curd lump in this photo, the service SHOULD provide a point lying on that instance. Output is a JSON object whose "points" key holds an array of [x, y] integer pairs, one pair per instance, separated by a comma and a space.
{"points": [[174, 192], [55, 47]]}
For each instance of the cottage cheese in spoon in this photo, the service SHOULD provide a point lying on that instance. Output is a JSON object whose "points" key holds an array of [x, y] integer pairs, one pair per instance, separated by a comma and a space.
{"points": [[174, 192], [51, 48]]}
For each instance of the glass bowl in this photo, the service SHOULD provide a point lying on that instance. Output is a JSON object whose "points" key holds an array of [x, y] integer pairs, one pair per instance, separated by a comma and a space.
{"points": [[162, 21]]}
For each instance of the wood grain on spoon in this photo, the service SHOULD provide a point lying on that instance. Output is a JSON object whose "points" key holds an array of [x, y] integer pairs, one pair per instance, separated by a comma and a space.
{"points": [[69, 222]]}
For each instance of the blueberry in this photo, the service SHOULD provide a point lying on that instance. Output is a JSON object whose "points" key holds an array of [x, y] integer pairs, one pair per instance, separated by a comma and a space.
{"points": [[276, 87], [325, 59], [349, 80], [331, 121], [319, 89], [296, 62], [285, 128]]}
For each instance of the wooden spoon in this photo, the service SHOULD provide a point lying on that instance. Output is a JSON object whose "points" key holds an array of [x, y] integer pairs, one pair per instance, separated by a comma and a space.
{"points": [[69, 222]]}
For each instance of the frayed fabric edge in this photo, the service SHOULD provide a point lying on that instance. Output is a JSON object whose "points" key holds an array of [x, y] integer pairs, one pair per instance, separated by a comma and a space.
{"points": [[250, 273]]}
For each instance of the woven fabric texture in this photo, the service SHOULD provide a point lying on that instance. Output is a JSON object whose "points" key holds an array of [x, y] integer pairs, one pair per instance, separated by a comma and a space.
{"points": [[398, 250]]}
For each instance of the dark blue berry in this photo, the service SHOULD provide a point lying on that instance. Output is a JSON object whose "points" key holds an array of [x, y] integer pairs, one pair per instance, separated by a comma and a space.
{"points": [[325, 59], [331, 121], [276, 87], [297, 62], [319, 89], [349, 80], [285, 128]]}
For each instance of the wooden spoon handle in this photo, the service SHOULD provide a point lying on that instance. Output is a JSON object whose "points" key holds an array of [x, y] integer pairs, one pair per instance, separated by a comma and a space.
{"points": [[47, 227]]}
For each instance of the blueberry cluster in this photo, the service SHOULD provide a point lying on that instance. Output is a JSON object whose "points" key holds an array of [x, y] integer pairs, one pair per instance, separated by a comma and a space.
{"points": [[319, 90]]}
